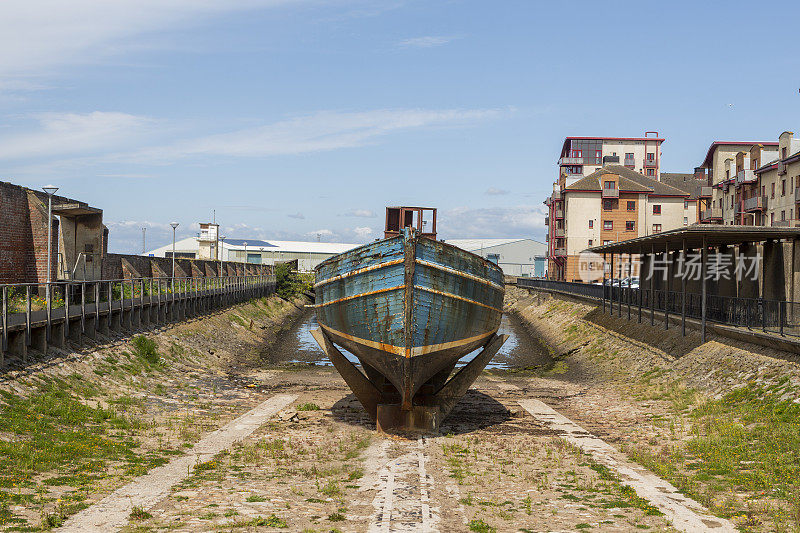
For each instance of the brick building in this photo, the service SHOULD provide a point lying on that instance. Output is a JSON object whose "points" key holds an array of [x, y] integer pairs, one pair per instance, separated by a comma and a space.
{"points": [[78, 242]]}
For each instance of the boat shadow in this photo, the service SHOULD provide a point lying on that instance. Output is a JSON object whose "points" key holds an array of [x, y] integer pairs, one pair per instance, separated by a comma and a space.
{"points": [[474, 411]]}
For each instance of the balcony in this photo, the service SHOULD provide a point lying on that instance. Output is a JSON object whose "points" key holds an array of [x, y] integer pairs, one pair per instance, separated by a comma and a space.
{"points": [[546, 221], [745, 176], [559, 232], [781, 168], [756, 203], [650, 163], [570, 161], [611, 193], [711, 215], [556, 193], [706, 192], [796, 194], [560, 252], [559, 213], [630, 163]]}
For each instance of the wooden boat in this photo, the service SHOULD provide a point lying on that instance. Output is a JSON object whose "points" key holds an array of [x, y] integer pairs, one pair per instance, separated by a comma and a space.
{"points": [[409, 307]]}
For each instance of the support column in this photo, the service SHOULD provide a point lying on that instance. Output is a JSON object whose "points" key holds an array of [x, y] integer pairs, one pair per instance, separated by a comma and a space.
{"points": [[652, 286], [703, 260], [604, 282], [668, 261], [611, 287], [683, 288], [641, 281]]}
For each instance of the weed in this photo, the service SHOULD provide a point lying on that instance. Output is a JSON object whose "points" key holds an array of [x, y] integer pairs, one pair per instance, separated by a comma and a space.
{"points": [[479, 526], [146, 349], [336, 517], [255, 498], [138, 513], [309, 406]]}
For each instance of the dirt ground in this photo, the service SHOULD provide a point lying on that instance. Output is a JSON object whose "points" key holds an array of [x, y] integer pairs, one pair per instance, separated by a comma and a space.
{"points": [[319, 465]]}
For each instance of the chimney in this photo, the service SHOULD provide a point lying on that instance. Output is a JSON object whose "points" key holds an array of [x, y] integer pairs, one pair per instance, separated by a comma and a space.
{"points": [[700, 173]]}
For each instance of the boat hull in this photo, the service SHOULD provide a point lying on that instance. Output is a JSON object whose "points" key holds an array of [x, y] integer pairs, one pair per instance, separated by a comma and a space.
{"points": [[409, 308]]}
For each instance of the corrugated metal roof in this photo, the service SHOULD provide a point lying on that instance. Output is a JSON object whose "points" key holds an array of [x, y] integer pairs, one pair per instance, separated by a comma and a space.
{"points": [[471, 245], [294, 246]]}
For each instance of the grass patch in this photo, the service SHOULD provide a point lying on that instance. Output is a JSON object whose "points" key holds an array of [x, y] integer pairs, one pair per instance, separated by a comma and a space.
{"points": [[308, 407], [255, 498], [145, 349]]}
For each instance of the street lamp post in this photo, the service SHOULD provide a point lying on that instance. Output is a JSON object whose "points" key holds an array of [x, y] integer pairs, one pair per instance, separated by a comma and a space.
{"points": [[50, 190], [221, 249], [174, 227], [245, 251]]}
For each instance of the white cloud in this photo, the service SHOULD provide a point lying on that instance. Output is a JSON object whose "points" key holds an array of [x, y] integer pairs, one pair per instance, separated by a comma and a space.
{"points": [[321, 233], [497, 222], [428, 41], [75, 134], [362, 232], [361, 213], [42, 36], [324, 131], [494, 191]]}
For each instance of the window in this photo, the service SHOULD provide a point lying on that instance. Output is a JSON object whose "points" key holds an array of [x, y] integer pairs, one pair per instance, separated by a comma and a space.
{"points": [[591, 223], [606, 242], [772, 218], [772, 188], [576, 153], [651, 156], [656, 209], [656, 228], [608, 224], [783, 187], [686, 204], [685, 221], [629, 225], [651, 172], [631, 205], [783, 215], [755, 164], [598, 154], [728, 174], [764, 190], [783, 153], [610, 185], [591, 242], [573, 169], [608, 205]]}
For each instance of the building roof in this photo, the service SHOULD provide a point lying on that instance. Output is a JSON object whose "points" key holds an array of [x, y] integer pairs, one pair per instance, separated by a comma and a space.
{"points": [[471, 245], [714, 145], [191, 244], [694, 236], [565, 146], [629, 181], [685, 182]]}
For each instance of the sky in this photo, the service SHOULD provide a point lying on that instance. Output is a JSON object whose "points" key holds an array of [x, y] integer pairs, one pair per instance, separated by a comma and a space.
{"points": [[304, 119]]}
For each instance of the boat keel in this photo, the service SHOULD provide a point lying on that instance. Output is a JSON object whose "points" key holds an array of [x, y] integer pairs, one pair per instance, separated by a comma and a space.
{"points": [[428, 409]]}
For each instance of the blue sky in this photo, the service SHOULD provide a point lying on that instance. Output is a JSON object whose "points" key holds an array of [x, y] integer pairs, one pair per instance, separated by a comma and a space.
{"points": [[307, 117]]}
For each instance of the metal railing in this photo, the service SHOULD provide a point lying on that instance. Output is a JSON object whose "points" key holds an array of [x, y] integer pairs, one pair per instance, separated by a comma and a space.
{"points": [[772, 316], [25, 307]]}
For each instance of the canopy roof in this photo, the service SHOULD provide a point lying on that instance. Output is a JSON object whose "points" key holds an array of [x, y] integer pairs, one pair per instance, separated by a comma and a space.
{"points": [[693, 235]]}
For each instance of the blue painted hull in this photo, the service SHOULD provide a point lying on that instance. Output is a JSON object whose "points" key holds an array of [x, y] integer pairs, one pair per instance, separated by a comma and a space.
{"points": [[409, 308]]}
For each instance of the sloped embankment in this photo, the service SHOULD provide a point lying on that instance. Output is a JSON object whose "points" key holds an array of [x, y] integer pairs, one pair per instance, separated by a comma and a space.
{"points": [[74, 428], [717, 419]]}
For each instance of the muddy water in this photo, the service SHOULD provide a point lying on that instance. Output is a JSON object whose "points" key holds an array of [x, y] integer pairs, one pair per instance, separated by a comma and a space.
{"points": [[521, 350]]}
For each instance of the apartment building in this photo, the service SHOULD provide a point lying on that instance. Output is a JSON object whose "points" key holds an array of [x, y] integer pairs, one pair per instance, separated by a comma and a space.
{"points": [[775, 188], [581, 156], [613, 203], [729, 168]]}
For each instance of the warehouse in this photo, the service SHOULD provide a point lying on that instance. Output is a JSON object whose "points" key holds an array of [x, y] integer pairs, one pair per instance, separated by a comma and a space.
{"points": [[257, 251], [517, 257]]}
